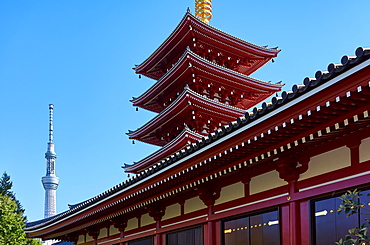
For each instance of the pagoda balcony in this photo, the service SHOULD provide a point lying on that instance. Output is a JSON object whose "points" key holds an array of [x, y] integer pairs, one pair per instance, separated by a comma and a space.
{"points": [[208, 79], [209, 42], [190, 109]]}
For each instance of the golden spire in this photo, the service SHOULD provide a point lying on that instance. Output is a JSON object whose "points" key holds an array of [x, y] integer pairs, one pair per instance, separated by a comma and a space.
{"points": [[203, 10]]}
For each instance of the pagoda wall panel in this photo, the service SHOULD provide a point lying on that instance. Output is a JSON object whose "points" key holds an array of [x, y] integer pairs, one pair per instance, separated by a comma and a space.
{"points": [[172, 211], [231, 192], [113, 230], [328, 162], [146, 220], [193, 204], [365, 150], [264, 182], [132, 224]]}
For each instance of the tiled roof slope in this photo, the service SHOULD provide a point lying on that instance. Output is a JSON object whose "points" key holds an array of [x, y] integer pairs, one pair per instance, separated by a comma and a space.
{"points": [[321, 77]]}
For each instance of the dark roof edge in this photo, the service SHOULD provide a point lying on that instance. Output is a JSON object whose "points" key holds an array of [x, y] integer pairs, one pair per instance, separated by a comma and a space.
{"points": [[321, 77]]}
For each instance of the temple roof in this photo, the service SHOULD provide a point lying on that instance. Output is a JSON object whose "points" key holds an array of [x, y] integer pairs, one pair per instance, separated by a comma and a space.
{"points": [[188, 67], [190, 29], [322, 80], [185, 138], [183, 107]]}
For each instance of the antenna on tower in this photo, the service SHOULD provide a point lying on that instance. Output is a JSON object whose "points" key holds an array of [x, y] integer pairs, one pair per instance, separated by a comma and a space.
{"points": [[203, 10], [51, 108]]}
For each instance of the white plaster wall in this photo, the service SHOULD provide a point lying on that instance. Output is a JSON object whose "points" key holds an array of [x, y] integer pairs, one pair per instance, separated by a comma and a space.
{"points": [[193, 204], [89, 238], [328, 162], [103, 233], [172, 211], [231, 192], [132, 224], [81, 239], [146, 220], [264, 182], [113, 230]]}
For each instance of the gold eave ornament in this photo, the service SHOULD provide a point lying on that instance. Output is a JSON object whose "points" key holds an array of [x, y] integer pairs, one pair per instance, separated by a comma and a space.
{"points": [[203, 10]]}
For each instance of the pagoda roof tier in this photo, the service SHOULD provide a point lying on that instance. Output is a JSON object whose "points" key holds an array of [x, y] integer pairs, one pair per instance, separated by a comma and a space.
{"points": [[184, 139], [200, 74], [195, 34], [186, 110]]}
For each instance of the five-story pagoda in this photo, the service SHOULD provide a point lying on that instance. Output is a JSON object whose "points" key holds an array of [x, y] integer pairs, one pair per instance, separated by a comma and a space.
{"points": [[202, 82]]}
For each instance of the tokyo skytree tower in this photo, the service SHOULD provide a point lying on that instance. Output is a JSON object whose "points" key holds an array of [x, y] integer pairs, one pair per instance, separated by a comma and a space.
{"points": [[50, 181]]}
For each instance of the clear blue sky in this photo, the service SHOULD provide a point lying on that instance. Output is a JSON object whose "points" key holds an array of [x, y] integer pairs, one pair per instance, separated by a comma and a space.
{"points": [[79, 56]]}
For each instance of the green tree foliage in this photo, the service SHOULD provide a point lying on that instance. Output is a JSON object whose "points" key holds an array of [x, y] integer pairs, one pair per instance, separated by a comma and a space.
{"points": [[12, 220], [351, 205], [5, 189]]}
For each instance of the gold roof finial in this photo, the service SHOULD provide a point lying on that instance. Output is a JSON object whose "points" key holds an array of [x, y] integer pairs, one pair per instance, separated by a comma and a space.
{"points": [[203, 10]]}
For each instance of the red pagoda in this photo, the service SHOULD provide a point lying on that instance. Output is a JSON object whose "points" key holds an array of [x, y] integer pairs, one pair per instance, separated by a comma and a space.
{"points": [[202, 84]]}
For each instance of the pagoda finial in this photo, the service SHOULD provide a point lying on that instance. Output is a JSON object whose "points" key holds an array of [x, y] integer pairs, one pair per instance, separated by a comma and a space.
{"points": [[203, 10]]}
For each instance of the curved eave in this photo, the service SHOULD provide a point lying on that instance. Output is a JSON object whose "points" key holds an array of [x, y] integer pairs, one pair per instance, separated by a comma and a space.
{"points": [[193, 63], [181, 106], [176, 144], [190, 27], [323, 81]]}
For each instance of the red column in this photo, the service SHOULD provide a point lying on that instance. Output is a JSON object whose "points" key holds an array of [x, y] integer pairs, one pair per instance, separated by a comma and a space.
{"points": [[157, 238], [290, 223], [121, 225], [209, 195], [294, 222], [289, 170], [157, 213], [211, 234]]}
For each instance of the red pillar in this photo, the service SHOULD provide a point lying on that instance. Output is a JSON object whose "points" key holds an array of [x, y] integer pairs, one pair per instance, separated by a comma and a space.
{"points": [[294, 215], [210, 226], [290, 213], [121, 225], [209, 195], [157, 212], [157, 238]]}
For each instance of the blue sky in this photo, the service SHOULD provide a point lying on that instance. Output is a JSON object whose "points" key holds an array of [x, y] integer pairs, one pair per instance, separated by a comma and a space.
{"points": [[79, 56]]}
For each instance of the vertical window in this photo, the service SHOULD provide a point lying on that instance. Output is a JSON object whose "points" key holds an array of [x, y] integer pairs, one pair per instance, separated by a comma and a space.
{"points": [[193, 236], [329, 226], [259, 229], [145, 241]]}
